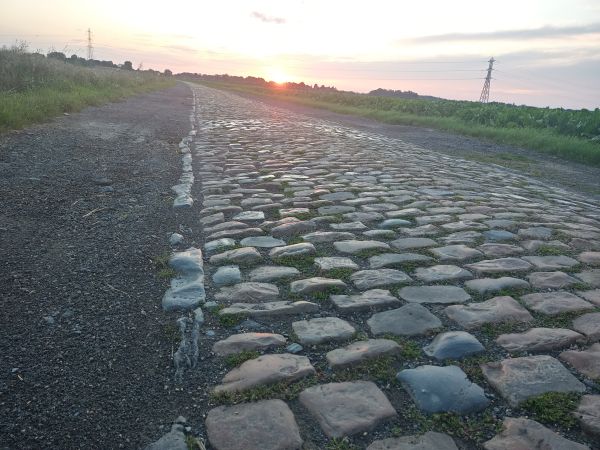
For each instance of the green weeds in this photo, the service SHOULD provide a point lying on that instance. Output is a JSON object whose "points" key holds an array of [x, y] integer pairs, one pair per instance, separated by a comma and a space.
{"points": [[193, 443], [553, 408], [563, 320], [492, 330], [231, 320], [410, 349], [379, 369], [324, 294], [339, 273], [283, 390], [161, 263], [304, 263], [340, 444], [549, 250], [478, 428], [237, 359], [472, 366]]}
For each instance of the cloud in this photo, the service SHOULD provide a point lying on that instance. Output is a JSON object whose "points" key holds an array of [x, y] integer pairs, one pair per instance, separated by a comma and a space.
{"points": [[534, 33], [550, 58], [179, 48], [268, 19]]}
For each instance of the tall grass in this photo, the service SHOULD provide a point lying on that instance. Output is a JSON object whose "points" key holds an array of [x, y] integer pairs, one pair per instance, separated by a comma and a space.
{"points": [[572, 135], [34, 88]]}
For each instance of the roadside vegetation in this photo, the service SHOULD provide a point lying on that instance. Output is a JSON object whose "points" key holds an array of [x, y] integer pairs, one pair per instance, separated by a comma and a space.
{"points": [[34, 87], [569, 134]]}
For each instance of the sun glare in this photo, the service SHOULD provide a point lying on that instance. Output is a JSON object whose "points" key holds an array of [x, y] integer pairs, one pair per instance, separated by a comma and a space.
{"points": [[277, 75]]}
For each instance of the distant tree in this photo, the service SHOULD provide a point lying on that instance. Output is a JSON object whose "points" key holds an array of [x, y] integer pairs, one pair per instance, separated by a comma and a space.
{"points": [[74, 59], [18, 47], [57, 55], [127, 65], [106, 64], [168, 73], [400, 94]]}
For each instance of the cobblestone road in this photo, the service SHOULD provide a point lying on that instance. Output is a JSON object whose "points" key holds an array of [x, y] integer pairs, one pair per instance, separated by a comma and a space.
{"points": [[362, 292]]}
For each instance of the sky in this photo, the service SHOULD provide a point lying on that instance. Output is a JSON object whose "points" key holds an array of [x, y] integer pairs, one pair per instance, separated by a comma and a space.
{"points": [[547, 51]]}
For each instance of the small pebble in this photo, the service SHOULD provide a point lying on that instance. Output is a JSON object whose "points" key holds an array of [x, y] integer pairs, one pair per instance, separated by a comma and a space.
{"points": [[49, 320], [175, 239], [294, 348]]}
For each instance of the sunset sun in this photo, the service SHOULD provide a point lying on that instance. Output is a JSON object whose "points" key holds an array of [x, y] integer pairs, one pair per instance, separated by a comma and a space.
{"points": [[277, 75]]}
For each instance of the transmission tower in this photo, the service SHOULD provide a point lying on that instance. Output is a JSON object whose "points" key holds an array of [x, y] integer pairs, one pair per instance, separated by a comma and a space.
{"points": [[485, 92], [90, 48]]}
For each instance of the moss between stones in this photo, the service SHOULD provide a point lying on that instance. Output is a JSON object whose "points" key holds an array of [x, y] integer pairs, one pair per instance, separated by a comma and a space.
{"points": [[231, 320], [492, 330], [472, 366], [379, 369], [410, 349], [236, 359], [554, 408], [283, 390], [340, 444], [478, 428], [339, 273], [558, 321], [549, 250]]}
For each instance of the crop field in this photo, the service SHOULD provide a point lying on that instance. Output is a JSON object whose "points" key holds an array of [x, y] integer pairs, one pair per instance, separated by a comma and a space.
{"points": [[569, 134]]}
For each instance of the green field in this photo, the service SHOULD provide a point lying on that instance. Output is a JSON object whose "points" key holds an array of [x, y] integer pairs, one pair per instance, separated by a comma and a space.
{"points": [[34, 88], [569, 134]]}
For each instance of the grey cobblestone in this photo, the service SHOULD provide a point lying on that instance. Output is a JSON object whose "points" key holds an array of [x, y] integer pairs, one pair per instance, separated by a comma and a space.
{"points": [[401, 232]]}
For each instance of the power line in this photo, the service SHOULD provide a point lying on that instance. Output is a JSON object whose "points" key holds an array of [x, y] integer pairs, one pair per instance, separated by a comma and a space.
{"points": [[374, 69], [472, 61], [411, 79], [543, 80], [35, 35]]}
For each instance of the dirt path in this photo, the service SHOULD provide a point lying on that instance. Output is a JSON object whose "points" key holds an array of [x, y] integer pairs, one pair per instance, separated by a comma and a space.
{"points": [[86, 205]]}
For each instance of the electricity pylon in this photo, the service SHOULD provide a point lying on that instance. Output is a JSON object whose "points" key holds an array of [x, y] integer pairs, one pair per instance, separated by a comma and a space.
{"points": [[485, 92], [90, 48]]}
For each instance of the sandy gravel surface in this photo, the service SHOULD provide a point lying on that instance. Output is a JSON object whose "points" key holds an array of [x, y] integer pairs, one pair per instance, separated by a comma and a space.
{"points": [[86, 360]]}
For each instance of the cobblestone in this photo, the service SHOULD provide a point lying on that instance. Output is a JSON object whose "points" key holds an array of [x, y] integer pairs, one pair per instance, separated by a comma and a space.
{"points": [[343, 222]]}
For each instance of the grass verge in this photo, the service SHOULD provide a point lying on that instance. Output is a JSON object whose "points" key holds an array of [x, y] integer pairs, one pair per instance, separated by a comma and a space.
{"points": [[55, 87]]}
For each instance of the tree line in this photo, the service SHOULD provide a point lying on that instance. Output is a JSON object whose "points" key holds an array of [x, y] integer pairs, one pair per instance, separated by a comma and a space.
{"points": [[79, 61], [253, 81]]}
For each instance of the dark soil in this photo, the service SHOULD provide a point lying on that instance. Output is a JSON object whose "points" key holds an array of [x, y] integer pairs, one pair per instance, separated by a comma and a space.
{"points": [[86, 348]]}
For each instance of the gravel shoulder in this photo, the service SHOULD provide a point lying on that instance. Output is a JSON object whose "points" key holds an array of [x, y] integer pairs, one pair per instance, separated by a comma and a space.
{"points": [[569, 175], [86, 205]]}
